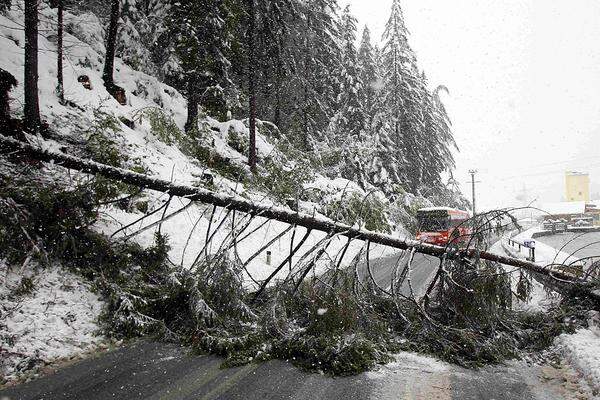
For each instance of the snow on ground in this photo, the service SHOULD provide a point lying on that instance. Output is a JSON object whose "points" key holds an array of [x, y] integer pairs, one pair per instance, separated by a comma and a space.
{"points": [[539, 299], [56, 320], [544, 254], [582, 350]]}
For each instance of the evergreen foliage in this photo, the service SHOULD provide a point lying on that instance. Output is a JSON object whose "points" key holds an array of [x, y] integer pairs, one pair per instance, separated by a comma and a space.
{"points": [[364, 114]]}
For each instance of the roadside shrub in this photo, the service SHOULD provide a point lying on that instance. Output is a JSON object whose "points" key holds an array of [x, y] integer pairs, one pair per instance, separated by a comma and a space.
{"points": [[101, 146], [41, 220], [100, 143]]}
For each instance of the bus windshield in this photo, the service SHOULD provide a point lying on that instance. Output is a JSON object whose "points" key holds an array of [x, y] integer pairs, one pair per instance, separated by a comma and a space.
{"points": [[433, 222]]}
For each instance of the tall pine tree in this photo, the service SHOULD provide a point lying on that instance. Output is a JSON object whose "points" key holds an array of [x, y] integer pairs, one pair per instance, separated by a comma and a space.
{"points": [[312, 88], [367, 66], [202, 43], [349, 120]]}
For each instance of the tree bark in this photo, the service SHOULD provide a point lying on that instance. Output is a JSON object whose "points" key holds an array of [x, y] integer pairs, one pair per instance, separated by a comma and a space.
{"points": [[60, 91], [111, 45], [252, 84], [192, 107], [32, 105]]}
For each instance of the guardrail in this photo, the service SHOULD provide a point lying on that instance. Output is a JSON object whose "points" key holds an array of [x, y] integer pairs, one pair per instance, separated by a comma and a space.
{"points": [[528, 244]]}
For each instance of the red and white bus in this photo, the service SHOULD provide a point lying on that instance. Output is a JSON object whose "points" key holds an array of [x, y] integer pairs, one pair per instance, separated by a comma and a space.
{"points": [[443, 225]]}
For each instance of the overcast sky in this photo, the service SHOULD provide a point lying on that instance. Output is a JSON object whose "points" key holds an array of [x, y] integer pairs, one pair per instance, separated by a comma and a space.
{"points": [[524, 80]]}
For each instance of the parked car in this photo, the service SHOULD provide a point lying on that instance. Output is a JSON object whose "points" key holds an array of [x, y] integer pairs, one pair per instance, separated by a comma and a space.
{"points": [[583, 222]]}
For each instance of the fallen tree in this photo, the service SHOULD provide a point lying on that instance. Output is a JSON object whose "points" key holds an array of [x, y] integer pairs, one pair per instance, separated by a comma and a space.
{"points": [[240, 204], [339, 319]]}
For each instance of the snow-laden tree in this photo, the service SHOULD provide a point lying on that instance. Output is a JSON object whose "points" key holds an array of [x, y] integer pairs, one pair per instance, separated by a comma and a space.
{"points": [[276, 24], [32, 118], [367, 67], [350, 117], [111, 45], [311, 89], [145, 43], [202, 42]]}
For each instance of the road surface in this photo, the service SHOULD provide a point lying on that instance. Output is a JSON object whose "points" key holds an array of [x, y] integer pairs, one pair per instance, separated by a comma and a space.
{"points": [[157, 371], [422, 271], [583, 245]]}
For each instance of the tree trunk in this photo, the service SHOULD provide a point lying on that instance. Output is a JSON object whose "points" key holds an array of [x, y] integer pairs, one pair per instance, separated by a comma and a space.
{"points": [[279, 81], [60, 91], [252, 85], [192, 109], [32, 105], [111, 45]]}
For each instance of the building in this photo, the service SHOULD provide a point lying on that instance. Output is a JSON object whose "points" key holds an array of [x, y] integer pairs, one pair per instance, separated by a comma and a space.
{"points": [[592, 209], [563, 210], [577, 186]]}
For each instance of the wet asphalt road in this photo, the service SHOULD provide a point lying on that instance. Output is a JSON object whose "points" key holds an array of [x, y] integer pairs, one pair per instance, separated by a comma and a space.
{"points": [[422, 271], [149, 370], [580, 245]]}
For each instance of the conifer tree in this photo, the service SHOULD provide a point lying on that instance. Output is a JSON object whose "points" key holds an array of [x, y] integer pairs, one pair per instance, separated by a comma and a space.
{"points": [[276, 26], [145, 44], [350, 118], [367, 68], [312, 89], [402, 95], [59, 5], [251, 68], [111, 45], [201, 44]]}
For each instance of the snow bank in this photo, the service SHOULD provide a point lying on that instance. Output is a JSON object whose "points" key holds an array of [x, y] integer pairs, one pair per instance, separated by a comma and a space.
{"points": [[582, 350], [544, 254], [57, 320]]}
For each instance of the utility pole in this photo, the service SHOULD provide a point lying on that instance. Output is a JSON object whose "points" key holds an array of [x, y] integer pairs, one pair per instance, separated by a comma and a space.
{"points": [[473, 172]]}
